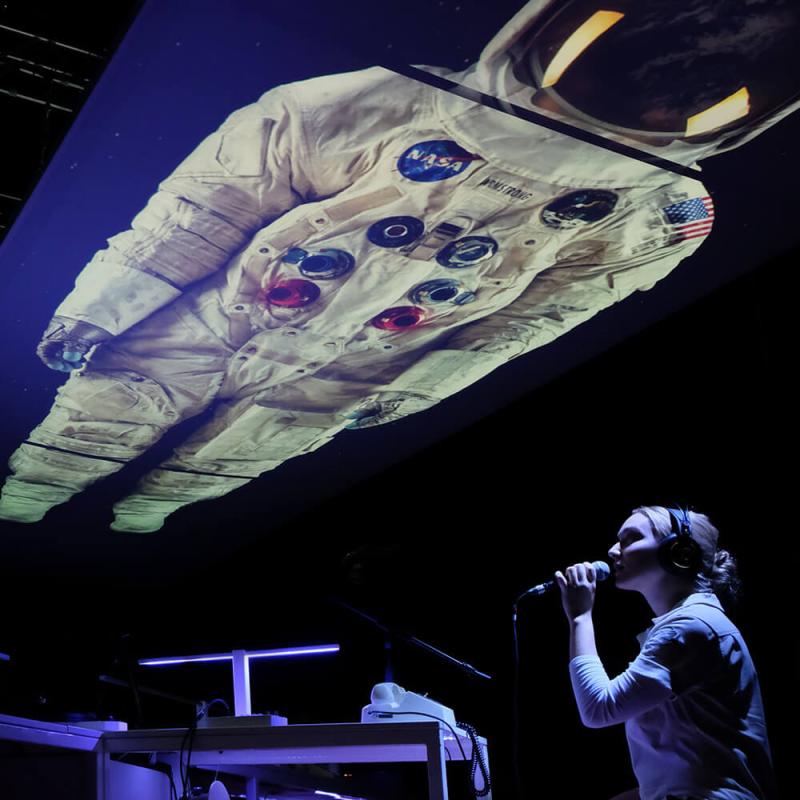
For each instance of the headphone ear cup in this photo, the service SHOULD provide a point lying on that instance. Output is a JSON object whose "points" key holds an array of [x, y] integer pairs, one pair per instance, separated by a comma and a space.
{"points": [[680, 555]]}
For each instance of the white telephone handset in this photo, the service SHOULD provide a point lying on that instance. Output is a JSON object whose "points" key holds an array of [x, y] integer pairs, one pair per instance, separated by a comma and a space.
{"points": [[392, 703]]}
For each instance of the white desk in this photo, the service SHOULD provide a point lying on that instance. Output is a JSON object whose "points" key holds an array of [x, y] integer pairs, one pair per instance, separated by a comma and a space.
{"points": [[57, 759], [346, 743], [218, 748], [48, 734]]}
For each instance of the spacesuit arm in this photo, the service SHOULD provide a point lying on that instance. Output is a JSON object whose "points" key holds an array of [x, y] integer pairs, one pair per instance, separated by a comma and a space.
{"points": [[557, 300], [237, 180]]}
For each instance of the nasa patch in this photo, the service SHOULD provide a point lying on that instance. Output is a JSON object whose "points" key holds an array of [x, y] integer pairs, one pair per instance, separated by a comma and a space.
{"points": [[579, 208], [436, 160]]}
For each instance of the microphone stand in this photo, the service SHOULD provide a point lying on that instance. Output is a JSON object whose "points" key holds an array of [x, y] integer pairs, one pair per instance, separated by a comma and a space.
{"points": [[391, 634], [176, 698]]}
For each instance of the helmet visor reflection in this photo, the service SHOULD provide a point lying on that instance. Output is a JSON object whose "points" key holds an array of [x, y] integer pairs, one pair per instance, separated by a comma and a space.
{"points": [[693, 69]]}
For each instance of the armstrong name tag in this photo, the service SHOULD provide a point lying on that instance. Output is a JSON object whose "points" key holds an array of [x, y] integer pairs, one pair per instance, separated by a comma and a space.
{"points": [[497, 185]]}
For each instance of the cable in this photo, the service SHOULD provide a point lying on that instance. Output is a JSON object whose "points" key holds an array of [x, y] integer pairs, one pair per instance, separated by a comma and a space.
{"points": [[173, 790], [477, 755], [189, 739], [422, 714], [515, 705], [206, 707], [477, 761]]}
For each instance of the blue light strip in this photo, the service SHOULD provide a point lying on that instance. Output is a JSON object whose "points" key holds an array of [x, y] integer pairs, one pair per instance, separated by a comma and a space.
{"points": [[285, 652], [161, 662], [294, 651]]}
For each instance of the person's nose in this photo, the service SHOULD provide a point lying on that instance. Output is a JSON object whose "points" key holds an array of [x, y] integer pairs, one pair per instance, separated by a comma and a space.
{"points": [[613, 552]]}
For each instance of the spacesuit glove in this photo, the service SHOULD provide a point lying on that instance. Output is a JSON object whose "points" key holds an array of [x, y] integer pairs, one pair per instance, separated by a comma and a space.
{"points": [[386, 407], [66, 343]]}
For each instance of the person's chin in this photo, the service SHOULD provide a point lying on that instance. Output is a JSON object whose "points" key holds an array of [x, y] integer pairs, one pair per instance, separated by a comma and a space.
{"points": [[621, 581]]}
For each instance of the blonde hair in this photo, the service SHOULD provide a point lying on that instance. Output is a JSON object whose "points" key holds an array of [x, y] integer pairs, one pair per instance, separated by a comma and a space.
{"points": [[718, 573]]}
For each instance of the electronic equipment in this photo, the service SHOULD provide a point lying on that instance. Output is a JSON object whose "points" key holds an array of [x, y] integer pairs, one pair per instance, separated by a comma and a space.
{"points": [[250, 721], [102, 724]]}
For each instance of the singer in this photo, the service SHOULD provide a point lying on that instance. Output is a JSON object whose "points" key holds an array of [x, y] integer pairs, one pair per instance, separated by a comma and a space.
{"points": [[690, 700]]}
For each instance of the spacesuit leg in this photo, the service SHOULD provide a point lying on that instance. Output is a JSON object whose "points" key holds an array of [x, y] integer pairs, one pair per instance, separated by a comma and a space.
{"points": [[100, 420], [131, 392], [247, 437]]}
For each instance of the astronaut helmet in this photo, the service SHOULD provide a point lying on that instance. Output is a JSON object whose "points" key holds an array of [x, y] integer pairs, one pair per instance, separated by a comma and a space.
{"points": [[660, 71]]}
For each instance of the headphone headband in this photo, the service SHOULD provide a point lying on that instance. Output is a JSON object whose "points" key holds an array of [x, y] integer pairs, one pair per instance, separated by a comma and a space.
{"points": [[680, 521]]}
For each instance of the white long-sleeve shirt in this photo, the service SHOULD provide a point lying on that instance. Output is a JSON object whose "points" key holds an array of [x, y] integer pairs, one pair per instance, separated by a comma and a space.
{"points": [[691, 705]]}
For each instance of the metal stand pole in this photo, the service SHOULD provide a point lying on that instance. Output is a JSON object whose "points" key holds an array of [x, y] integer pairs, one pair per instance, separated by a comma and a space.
{"points": [[241, 683]]}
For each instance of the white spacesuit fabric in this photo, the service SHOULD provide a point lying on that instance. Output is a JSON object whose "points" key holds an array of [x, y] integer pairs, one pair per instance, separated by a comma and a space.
{"points": [[308, 260]]}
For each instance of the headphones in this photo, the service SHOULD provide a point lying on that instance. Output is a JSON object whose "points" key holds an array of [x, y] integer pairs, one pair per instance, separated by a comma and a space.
{"points": [[679, 553]]}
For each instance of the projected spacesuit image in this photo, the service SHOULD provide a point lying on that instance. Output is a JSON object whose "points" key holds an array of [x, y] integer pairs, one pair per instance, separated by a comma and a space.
{"points": [[354, 248]]}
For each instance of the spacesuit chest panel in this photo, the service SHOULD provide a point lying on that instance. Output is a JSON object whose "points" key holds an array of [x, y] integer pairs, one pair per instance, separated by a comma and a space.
{"points": [[428, 238]]}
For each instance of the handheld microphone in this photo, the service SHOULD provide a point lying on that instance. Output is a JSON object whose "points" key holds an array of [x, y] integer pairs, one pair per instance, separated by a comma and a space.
{"points": [[601, 571]]}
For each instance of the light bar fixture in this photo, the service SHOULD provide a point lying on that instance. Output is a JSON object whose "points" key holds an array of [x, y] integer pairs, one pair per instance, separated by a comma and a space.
{"points": [[240, 663], [279, 653]]}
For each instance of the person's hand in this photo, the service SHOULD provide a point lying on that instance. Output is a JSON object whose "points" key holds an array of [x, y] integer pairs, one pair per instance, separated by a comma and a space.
{"points": [[577, 589], [66, 342], [386, 407]]}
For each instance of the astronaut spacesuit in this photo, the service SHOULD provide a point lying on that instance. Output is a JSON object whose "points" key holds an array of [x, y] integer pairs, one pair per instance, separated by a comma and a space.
{"points": [[353, 248]]}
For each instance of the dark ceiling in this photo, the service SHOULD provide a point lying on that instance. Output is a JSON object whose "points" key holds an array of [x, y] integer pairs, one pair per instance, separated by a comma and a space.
{"points": [[51, 54]]}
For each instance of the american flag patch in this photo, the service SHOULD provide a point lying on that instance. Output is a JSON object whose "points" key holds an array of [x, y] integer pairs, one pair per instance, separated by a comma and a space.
{"points": [[690, 218]]}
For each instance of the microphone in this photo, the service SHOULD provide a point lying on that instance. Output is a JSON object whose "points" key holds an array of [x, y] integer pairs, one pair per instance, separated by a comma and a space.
{"points": [[601, 572]]}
